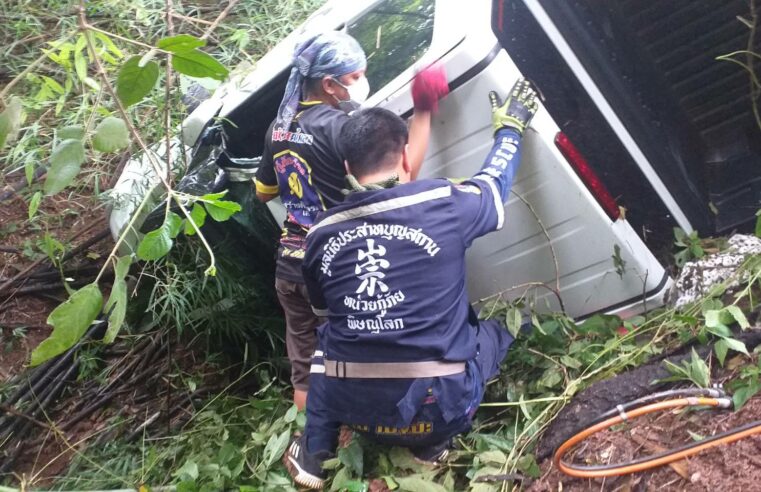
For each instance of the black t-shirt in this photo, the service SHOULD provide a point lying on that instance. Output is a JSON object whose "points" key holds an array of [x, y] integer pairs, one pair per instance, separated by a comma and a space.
{"points": [[305, 167]]}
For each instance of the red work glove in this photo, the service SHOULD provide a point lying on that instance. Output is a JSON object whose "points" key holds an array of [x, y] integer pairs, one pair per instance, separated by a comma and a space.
{"points": [[428, 86]]}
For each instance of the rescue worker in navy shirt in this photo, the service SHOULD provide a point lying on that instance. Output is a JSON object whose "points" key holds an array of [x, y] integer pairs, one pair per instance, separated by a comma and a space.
{"points": [[303, 165], [402, 357]]}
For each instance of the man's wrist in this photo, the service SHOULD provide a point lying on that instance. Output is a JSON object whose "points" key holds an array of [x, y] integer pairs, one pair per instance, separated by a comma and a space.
{"points": [[507, 131]]}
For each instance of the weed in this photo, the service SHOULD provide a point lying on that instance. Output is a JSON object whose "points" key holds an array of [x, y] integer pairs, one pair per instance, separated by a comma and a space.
{"points": [[689, 246], [694, 370], [746, 384]]}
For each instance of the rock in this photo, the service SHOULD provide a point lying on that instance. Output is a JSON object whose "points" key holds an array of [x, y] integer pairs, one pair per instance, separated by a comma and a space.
{"points": [[698, 276]]}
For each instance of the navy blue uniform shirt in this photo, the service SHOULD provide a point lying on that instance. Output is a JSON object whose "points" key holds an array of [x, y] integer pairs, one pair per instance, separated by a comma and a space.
{"points": [[387, 267]]}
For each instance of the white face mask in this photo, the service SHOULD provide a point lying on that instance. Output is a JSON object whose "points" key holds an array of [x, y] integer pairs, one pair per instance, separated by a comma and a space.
{"points": [[358, 91]]}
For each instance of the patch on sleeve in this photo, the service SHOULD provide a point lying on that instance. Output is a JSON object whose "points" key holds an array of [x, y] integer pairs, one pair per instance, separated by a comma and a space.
{"points": [[468, 188]]}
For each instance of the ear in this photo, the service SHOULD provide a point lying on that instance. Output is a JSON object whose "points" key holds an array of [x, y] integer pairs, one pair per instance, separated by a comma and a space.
{"points": [[405, 159], [329, 85]]}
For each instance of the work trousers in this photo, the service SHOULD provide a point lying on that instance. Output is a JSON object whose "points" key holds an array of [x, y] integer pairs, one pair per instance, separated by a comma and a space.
{"points": [[428, 427], [300, 329]]}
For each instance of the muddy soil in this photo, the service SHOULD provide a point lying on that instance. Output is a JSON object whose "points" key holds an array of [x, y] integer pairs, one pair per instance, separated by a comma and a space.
{"points": [[735, 466], [71, 220]]}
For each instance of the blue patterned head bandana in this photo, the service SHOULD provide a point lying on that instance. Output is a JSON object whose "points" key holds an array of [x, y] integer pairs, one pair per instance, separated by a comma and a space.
{"points": [[331, 53]]}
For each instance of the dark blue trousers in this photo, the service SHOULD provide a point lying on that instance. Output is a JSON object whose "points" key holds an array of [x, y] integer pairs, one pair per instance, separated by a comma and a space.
{"points": [[428, 427]]}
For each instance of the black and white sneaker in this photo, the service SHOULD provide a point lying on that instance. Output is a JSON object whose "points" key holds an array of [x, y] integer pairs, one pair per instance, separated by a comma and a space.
{"points": [[304, 467], [432, 455]]}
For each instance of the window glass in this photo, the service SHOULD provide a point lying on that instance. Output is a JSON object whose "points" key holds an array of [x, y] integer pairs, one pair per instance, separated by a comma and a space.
{"points": [[394, 35]]}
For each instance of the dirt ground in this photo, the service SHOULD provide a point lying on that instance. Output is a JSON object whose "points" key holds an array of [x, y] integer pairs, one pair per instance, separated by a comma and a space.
{"points": [[731, 467], [72, 220]]}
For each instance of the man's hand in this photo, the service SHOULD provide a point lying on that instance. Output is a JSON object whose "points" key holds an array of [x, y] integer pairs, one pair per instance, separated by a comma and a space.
{"points": [[428, 87], [517, 111]]}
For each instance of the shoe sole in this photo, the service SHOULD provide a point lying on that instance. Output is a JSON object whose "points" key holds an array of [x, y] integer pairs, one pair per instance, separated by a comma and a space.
{"points": [[302, 477], [438, 460]]}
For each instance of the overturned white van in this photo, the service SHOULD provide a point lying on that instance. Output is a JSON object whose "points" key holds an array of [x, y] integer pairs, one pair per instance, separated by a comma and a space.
{"points": [[563, 228]]}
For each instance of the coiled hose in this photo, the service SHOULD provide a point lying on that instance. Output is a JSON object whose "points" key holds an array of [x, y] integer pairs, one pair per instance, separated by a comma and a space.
{"points": [[713, 397]]}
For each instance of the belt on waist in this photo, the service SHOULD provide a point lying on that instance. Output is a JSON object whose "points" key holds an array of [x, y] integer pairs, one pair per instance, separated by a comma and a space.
{"points": [[392, 370]]}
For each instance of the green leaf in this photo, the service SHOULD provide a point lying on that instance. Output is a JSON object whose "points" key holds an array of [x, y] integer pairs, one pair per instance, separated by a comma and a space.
{"points": [[156, 244], [680, 237], [448, 482], [601, 324], [403, 459], [110, 46], [221, 210], [117, 299], [29, 169], [290, 415], [73, 131], [483, 487], [331, 464], [196, 63], [493, 456], [180, 43], [550, 378], [10, 121], [111, 135], [736, 345], [80, 64], [416, 483], [739, 316], [65, 162], [351, 456], [174, 224], [569, 361], [134, 82], [198, 216], [214, 196], [187, 486], [721, 348], [720, 330], [34, 204], [275, 448], [513, 320], [354, 486], [340, 479], [527, 464], [699, 372], [744, 393], [720, 317], [70, 321], [758, 220], [188, 470]]}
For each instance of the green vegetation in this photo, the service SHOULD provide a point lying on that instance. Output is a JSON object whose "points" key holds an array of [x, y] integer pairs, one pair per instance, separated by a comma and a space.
{"points": [[78, 88]]}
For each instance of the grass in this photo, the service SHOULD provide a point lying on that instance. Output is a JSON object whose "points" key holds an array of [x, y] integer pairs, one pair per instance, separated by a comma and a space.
{"points": [[234, 441]]}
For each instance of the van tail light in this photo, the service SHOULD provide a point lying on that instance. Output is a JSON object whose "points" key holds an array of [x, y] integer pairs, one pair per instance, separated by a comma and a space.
{"points": [[588, 176]]}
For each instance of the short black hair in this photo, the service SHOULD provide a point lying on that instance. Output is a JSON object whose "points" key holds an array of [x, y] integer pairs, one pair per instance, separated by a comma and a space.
{"points": [[373, 140]]}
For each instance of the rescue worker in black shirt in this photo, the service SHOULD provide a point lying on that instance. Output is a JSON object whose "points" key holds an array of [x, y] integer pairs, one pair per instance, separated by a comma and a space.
{"points": [[402, 358], [303, 164]]}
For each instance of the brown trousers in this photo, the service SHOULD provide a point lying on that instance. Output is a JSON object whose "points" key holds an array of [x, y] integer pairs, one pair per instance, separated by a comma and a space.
{"points": [[300, 329]]}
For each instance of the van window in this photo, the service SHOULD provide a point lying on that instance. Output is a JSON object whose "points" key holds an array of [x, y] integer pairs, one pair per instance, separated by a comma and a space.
{"points": [[394, 35]]}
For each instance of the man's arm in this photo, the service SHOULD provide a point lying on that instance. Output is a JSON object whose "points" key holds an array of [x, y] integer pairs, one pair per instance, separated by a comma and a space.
{"points": [[428, 87], [264, 197], [266, 179], [510, 120], [480, 200], [420, 133]]}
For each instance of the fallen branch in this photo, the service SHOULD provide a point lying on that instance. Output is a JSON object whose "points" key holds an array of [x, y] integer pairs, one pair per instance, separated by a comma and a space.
{"points": [[219, 19]]}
